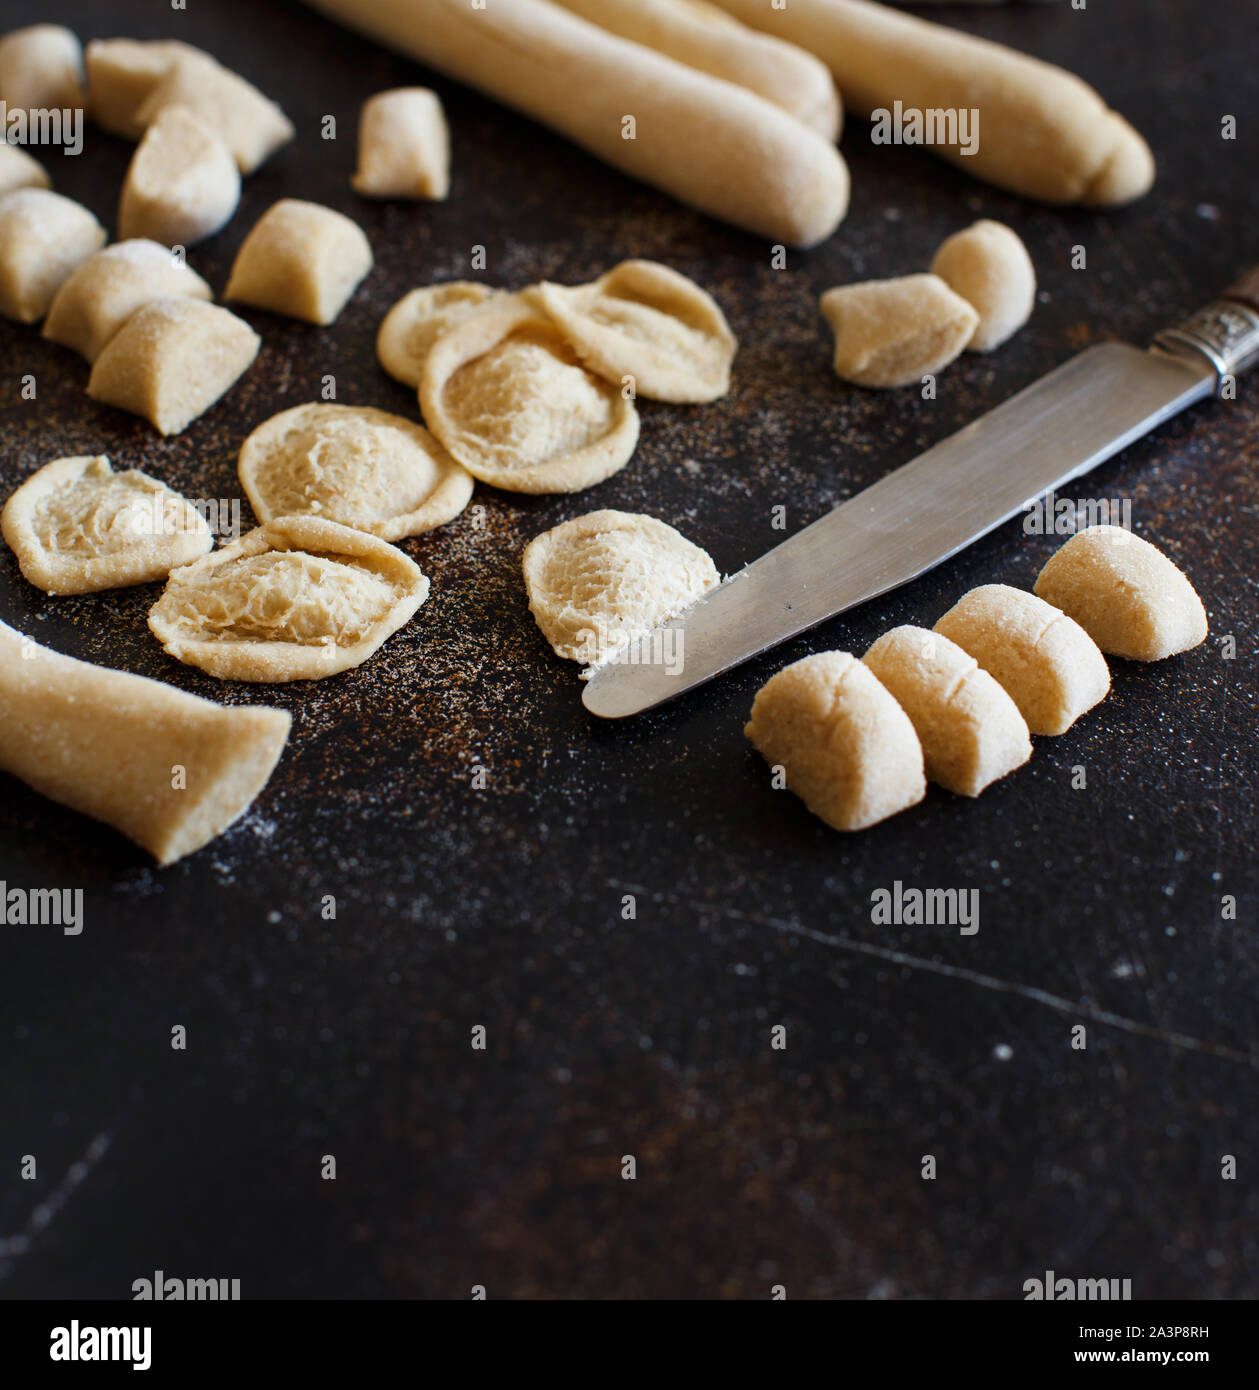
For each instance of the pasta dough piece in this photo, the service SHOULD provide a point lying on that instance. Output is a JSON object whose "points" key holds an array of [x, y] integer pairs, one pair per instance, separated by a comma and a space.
{"points": [[121, 76], [77, 526], [182, 185], [645, 321], [249, 124], [19, 170], [403, 146], [108, 744], [171, 360], [704, 37], [895, 332], [1125, 593], [102, 294], [419, 318], [41, 68], [362, 467], [1049, 665], [297, 599], [300, 259], [43, 237], [505, 395], [601, 581], [848, 750], [971, 731], [988, 265]]}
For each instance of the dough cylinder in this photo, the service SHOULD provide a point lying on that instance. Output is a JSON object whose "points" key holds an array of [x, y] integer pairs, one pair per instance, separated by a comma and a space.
{"points": [[1043, 132], [712, 145], [110, 744]]}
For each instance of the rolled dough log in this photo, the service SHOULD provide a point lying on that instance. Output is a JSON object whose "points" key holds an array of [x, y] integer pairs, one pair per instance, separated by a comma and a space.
{"points": [[1043, 132], [171, 771], [713, 145]]}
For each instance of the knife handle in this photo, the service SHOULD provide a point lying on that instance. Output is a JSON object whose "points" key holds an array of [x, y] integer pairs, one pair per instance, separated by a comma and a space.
{"points": [[1226, 332]]}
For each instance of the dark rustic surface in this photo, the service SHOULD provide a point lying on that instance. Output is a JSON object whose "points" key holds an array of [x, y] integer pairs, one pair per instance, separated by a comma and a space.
{"points": [[502, 907]]}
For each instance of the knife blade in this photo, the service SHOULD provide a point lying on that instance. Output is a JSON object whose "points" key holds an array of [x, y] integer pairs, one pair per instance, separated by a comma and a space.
{"points": [[948, 497]]}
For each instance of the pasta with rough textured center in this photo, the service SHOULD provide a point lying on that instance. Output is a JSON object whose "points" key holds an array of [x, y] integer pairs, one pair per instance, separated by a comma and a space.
{"points": [[645, 322], [297, 599], [601, 581], [419, 318], [505, 395], [77, 526], [353, 464]]}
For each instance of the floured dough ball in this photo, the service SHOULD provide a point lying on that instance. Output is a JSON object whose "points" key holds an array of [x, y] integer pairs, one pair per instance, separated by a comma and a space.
{"points": [[171, 360], [19, 170], [601, 581], [418, 319], [297, 599], [1048, 664], [1125, 593], [847, 748], [43, 237], [182, 185], [504, 393], [988, 265], [300, 259], [102, 294], [77, 526], [971, 731], [645, 322], [403, 146], [353, 464], [252, 126], [121, 76], [895, 332], [41, 68]]}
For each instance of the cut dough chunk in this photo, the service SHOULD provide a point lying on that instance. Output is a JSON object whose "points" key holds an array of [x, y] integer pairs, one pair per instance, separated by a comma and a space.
{"points": [[505, 395], [1125, 593], [102, 294], [403, 146], [41, 68], [601, 581], [19, 170], [847, 748], [419, 318], [107, 744], [182, 185], [1049, 665], [300, 259], [895, 332], [121, 76], [171, 360], [249, 124], [297, 599], [77, 526], [971, 731], [646, 322], [43, 237], [353, 464], [988, 265]]}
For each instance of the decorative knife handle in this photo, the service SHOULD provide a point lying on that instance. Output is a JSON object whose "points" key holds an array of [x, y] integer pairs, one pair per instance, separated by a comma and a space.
{"points": [[1226, 332]]}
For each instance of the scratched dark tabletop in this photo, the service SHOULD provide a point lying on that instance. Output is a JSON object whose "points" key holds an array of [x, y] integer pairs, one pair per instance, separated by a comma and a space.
{"points": [[502, 907]]}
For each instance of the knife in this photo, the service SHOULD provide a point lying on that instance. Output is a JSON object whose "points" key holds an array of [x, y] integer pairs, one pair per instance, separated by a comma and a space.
{"points": [[927, 510]]}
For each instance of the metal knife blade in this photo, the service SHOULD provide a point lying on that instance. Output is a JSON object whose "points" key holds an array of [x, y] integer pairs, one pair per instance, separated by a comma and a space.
{"points": [[913, 519]]}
